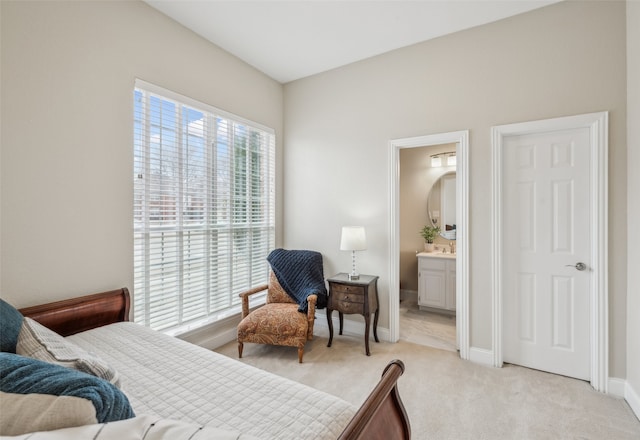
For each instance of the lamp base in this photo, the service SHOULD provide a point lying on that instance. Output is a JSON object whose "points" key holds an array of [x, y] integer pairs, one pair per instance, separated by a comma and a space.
{"points": [[354, 276]]}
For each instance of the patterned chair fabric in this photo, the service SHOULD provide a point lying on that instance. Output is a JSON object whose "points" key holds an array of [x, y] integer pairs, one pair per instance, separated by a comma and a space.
{"points": [[278, 322], [275, 292]]}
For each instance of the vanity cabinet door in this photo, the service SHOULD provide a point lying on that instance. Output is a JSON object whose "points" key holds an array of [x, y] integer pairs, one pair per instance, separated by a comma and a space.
{"points": [[431, 288], [437, 283]]}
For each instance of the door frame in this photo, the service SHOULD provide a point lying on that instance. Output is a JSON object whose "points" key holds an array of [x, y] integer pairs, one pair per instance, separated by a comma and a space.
{"points": [[461, 139], [597, 123]]}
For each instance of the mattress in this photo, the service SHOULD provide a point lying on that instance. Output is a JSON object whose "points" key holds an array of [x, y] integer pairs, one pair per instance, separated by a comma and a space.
{"points": [[171, 378]]}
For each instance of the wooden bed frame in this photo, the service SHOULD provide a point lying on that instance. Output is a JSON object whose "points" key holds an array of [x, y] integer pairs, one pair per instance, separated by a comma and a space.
{"points": [[381, 417]]}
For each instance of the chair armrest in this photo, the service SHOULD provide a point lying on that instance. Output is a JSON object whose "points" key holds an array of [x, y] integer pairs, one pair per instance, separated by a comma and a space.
{"points": [[245, 297], [311, 314], [311, 310]]}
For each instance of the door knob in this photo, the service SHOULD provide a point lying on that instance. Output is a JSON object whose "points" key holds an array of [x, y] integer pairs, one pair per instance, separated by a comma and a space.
{"points": [[578, 266]]}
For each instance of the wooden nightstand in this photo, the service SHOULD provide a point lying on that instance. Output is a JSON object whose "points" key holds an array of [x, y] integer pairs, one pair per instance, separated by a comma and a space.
{"points": [[354, 296]]}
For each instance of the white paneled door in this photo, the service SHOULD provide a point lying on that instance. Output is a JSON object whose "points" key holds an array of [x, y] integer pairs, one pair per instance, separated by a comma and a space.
{"points": [[546, 272]]}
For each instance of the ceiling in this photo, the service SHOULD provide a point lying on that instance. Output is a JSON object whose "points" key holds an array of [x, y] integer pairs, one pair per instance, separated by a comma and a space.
{"points": [[288, 40]]}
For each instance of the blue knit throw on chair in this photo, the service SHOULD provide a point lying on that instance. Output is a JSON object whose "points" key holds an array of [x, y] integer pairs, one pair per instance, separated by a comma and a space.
{"points": [[300, 274]]}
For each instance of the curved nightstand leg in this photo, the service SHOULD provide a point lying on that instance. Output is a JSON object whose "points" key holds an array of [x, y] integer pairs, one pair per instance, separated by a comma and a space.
{"points": [[375, 325], [367, 322], [341, 320], [330, 323]]}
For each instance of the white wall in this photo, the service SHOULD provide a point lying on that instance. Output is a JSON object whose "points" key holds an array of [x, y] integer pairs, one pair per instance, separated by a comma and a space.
{"points": [[68, 71], [564, 59], [633, 179]]}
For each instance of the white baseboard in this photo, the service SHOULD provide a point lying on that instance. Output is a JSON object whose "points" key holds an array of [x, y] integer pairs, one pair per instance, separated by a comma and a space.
{"points": [[481, 356], [623, 389], [212, 336], [633, 399], [351, 327], [217, 334], [616, 386], [219, 339]]}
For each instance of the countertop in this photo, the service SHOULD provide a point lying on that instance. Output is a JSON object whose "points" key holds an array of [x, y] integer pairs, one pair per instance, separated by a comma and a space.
{"points": [[436, 254]]}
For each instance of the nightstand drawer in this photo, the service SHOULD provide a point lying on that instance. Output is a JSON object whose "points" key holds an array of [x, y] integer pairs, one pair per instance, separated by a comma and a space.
{"points": [[348, 307], [345, 288], [354, 297]]}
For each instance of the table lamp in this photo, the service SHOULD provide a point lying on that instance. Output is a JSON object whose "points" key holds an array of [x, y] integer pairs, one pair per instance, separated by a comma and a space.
{"points": [[353, 239]]}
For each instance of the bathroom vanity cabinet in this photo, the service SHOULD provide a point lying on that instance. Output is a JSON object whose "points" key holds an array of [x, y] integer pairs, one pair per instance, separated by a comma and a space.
{"points": [[437, 280]]}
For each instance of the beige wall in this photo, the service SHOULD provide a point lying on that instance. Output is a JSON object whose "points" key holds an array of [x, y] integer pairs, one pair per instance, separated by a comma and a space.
{"points": [[65, 193], [564, 59], [68, 71], [416, 179], [633, 179]]}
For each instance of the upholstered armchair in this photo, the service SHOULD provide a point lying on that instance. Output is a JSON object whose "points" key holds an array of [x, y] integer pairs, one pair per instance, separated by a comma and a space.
{"points": [[278, 322]]}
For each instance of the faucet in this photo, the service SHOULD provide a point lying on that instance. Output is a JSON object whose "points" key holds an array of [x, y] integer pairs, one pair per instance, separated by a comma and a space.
{"points": [[452, 247]]}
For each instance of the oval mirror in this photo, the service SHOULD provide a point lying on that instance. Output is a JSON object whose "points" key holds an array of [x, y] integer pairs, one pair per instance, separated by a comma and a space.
{"points": [[441, 205]]}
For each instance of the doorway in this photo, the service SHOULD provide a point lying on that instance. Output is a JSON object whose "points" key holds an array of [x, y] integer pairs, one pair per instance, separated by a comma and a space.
{"points": [[461, 139], [550, 246], [427, 271]]}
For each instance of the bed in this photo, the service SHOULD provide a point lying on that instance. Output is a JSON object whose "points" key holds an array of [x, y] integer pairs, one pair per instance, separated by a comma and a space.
{"points": [[169, 378]]}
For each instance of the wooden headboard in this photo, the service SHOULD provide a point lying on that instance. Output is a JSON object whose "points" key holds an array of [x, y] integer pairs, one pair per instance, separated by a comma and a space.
{"points": [[76, 315]]}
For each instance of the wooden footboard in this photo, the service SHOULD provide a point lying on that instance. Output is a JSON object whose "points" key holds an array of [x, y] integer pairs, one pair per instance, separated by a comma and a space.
{"points": [[381, 417]]}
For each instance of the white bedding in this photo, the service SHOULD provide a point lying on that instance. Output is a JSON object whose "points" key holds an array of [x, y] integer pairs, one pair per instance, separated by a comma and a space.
{"points": [[165, 376], [144, 427]]}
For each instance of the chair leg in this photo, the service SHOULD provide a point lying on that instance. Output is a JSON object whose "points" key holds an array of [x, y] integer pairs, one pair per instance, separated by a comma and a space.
{"points": [[240, 346], [300, 354]]}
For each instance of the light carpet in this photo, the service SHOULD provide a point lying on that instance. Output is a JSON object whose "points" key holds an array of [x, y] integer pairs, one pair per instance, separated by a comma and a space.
{"points": [[448, 398]]}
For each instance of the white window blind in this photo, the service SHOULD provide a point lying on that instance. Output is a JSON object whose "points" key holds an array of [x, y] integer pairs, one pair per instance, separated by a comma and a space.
{"points": [[204, 214]]}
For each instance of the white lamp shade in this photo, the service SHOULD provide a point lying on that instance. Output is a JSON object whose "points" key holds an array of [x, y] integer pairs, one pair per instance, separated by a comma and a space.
{"points": [[436, 161], [353, 238], [451, 160]]}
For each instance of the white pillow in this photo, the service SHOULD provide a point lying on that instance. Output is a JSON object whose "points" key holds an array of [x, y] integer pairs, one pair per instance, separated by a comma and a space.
{"points": [[23, 413], [38, 342]]}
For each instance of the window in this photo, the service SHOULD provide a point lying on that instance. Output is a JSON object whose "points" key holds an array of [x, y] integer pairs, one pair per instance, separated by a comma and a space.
{"points": [[204, 214]]}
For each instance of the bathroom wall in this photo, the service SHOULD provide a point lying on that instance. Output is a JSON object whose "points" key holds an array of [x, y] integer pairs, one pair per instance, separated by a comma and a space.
{"points": [[417, 176]]}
